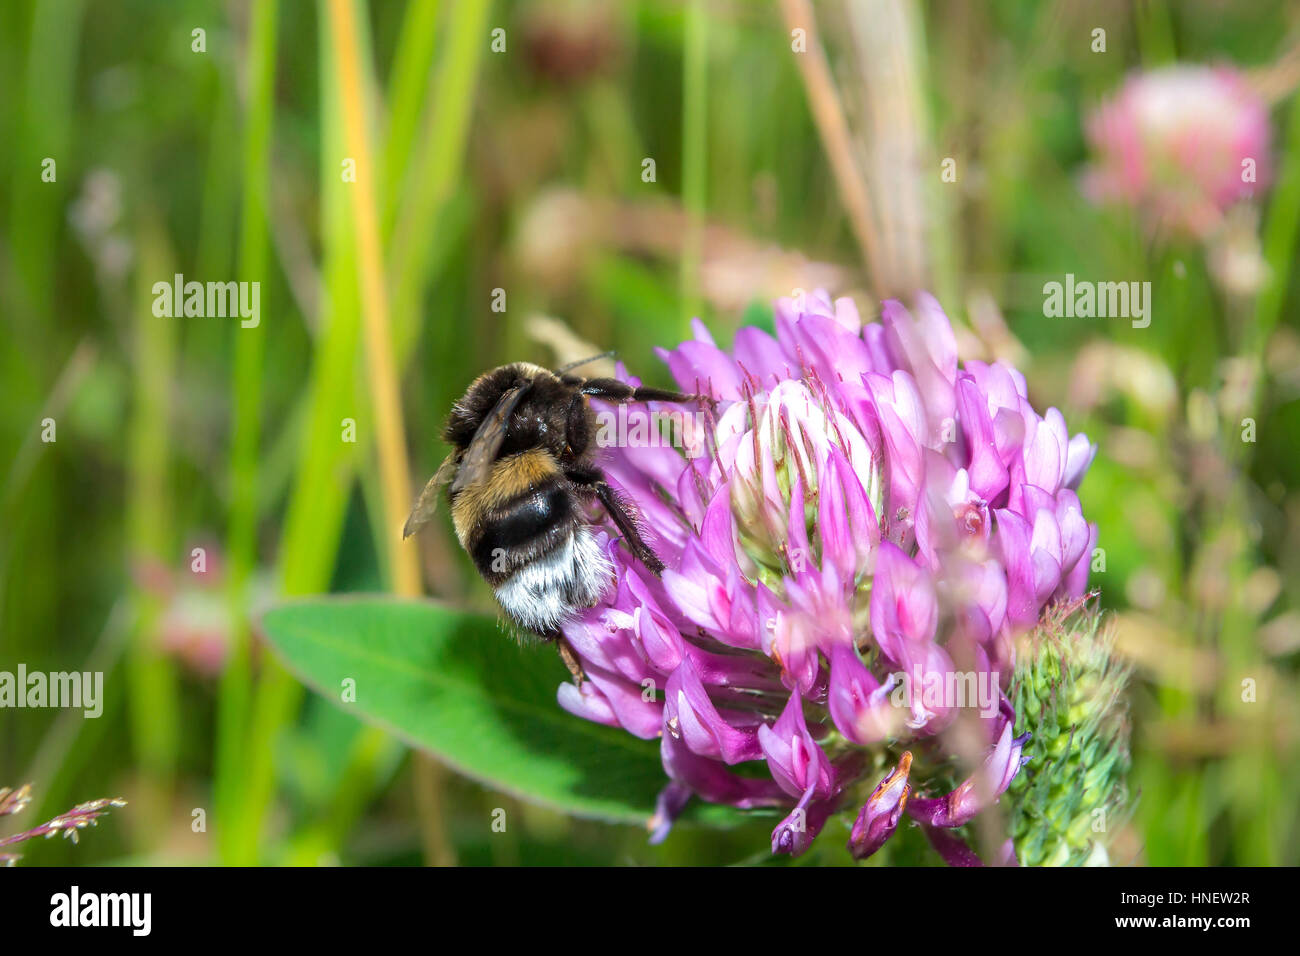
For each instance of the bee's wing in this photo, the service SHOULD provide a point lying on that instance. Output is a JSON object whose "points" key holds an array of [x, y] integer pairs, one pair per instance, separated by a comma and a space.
{"points": [[427, 504], [476, 464]]}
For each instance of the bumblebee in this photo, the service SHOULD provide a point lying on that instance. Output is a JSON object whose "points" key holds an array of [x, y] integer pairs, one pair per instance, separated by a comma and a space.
{"points": [[523, 481]]}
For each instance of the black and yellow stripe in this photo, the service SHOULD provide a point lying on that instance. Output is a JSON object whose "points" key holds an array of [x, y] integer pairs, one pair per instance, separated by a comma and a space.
{"points": [[520, 513]]}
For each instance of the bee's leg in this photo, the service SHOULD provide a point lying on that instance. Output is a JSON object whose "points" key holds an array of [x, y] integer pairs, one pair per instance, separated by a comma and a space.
{"points": [[612, 390], [568, 655], [571, 661], [594, 479]]}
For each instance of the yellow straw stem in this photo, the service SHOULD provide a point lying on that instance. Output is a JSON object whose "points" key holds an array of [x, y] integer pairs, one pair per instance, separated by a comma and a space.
{"points": [[380, 366]]}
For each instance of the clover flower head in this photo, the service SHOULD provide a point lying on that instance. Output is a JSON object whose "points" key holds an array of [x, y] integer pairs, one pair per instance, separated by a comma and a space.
{"points": [[870, 522], [1182, 144]]}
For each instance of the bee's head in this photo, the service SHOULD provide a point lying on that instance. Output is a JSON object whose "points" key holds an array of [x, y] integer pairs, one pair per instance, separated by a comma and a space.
{"points": [[483, 396]]}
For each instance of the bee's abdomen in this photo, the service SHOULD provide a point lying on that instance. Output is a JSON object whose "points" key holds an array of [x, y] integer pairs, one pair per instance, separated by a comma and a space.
{"points": [[521, 530], [555, 587]]}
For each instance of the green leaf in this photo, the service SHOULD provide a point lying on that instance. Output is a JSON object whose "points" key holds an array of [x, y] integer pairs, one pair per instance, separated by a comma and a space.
{"points": [[455, 685]]}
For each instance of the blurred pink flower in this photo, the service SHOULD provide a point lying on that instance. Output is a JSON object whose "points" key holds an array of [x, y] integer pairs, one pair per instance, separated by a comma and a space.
{"points": [[196, 625], [1181, 144]]}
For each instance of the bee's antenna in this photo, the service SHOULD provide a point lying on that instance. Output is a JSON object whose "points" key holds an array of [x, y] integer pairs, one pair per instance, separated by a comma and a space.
{"points": [[595, 358]]}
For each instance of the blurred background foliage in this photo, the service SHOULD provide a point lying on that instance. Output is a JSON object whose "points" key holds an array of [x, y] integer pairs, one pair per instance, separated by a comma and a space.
{"points": [[524, 170]]}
